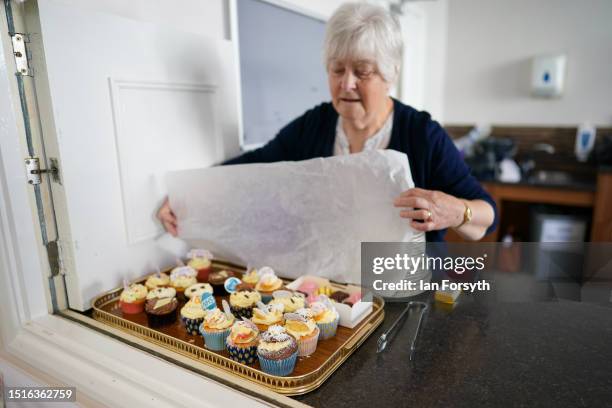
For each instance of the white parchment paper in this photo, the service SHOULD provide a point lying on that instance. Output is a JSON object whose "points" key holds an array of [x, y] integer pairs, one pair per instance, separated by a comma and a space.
{"points": [[306, 217]]}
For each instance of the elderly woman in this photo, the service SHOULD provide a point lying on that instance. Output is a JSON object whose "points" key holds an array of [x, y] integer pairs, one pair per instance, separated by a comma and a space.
{"points": [[363, 48]]}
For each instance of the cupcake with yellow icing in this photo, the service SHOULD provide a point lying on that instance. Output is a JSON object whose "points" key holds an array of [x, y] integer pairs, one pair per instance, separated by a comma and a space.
{"points": [[242, 342], [326, 316], [197, 289], [268, 283], [265, 316], [302, 326], [132, 299], [291, 301], [192, 315], [243, 301], [251, 277], [157, 280], [277, 351], [201, 261], [181, 278], [215, 328]]}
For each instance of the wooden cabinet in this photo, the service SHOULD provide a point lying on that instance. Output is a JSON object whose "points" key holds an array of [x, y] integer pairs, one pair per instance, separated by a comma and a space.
{"points": [[599, 201]]}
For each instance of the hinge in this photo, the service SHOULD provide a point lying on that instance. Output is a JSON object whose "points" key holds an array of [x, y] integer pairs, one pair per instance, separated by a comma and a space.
{"points": [[54, 257], [33, 170], [21, 54]]}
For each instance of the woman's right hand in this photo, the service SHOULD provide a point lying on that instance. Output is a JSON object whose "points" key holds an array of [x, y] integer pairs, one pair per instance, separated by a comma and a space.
{"points": [[166, 216]]}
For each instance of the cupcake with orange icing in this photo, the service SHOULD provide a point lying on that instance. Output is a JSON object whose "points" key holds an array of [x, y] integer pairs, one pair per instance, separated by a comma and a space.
{"points": [[242, 342], [302, 326], [215, 328], [268, 283], [265, 316], [277, 351], [132, 299]]}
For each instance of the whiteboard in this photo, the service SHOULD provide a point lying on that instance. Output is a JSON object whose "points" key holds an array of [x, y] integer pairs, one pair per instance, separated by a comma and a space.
{"points": [[281, 67]]}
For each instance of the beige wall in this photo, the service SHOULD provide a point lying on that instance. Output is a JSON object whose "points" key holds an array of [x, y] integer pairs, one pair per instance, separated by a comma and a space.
{"points": [[489, 46]]}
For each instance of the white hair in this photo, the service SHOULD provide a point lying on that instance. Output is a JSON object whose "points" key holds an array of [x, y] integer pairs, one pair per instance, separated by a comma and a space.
{"points": [[365, 31]]}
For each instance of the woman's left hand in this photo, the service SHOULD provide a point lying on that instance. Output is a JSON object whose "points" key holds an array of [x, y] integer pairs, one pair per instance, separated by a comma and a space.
{"points": [[430, 210]]}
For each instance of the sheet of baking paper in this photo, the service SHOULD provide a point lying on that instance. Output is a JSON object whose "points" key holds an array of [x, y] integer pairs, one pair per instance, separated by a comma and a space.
{"points": [[306, 217]]}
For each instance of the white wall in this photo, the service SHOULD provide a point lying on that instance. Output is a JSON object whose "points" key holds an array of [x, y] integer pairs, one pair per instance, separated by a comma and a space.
{"points": [[489, 47]]}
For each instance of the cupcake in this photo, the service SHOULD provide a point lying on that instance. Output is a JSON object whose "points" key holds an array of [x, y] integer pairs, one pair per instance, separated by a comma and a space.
{"points": [[302, 326], [197, 289], [251, 277], [192, 315], [217, 279], [242, 342], [157, 280], [277, 351], [243, 301], [132, 299], [181, 278], [268, 283], [215, 328], [265, 316], [202, 267], [290, 301], [326, 317], [161, 311], [161, 293]]}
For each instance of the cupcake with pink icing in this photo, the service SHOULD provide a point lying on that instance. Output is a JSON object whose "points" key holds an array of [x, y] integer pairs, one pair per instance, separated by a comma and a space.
{"points": [[277, 351]]}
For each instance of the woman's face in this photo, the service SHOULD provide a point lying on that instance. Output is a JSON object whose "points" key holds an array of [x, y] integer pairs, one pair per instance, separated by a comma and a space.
{"points": [[359, 92]]}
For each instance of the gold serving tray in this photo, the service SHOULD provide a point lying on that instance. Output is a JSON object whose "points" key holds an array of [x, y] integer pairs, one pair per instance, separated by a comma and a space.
{"points": [[310, 372]]}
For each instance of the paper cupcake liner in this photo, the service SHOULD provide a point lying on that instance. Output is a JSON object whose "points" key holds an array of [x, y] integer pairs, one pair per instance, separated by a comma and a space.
{"points": [[242, 311], [282, 367], [307, 346], [244, 355], [161, 320], [132, 308], [192, 325], [328, 330], [215, 340]]}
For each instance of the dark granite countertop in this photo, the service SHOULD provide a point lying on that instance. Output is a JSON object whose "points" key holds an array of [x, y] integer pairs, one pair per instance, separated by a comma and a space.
{"points": [[492, 350]]}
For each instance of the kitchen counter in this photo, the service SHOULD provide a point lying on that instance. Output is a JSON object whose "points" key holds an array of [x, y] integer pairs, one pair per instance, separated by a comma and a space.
{"points": [[487, 351]]}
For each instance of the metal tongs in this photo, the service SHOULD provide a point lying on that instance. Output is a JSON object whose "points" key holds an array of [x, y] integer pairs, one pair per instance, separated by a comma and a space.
{"points": [[384, 338]]}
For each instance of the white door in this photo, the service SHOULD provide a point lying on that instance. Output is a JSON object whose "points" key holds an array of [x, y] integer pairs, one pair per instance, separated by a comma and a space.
{"points": [[128, 101]]}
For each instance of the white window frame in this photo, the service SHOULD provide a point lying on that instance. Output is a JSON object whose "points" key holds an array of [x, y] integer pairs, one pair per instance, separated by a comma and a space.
{"points": [[102, 368]]}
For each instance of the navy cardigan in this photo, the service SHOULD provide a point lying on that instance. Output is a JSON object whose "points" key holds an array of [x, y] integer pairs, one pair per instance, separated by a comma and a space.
{"points": [[434, 161]]}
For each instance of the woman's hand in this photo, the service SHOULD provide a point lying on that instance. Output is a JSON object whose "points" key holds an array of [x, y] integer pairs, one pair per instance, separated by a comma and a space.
{"points": [[430, 210], [167, 218]]}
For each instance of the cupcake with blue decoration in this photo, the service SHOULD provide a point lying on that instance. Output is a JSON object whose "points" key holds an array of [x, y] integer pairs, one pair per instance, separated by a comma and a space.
{"points": [[242, 342], [215, 328], [277, 351]]}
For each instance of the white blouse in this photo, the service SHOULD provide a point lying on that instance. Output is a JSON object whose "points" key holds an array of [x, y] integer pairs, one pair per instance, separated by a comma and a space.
{"points": [[380, 140]]}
